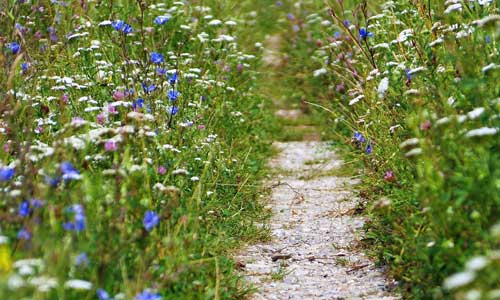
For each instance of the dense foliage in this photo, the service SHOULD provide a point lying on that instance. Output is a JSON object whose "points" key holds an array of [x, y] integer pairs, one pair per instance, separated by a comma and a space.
{"points": [[131, 144], [412, 88]]}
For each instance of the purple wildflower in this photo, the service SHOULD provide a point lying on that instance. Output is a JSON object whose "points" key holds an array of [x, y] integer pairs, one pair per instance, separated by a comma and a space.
{"points": [[6, 174], [156, 58], [147, 295], [151, 219]]}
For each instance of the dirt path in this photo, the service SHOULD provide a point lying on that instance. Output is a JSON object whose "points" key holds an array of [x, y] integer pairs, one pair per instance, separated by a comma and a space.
{"points": [[314, 250]]}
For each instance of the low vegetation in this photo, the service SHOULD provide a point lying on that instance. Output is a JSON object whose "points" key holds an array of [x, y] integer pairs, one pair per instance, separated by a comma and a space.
{"points": [[410, 89]]}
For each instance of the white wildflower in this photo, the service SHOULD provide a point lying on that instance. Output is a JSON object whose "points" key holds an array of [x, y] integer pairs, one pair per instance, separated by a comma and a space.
{"points": [[215, 22], [78, 284], [4, 240], [180, 172], [476, 263], [32, 262], [459, 280], [408, 143], [26, 270], [414, 152], [15, 281], [484, 131], [319, 72], [383, 87], [105, 23], [491, 66], [43, 283], [356, 100], [475, 113], [486, 20], [473, 295], [453, 7]]}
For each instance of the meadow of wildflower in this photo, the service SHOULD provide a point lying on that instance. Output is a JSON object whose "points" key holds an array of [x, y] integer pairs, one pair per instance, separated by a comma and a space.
{"points": [[410, 93], [131, 147], [135, 134]]}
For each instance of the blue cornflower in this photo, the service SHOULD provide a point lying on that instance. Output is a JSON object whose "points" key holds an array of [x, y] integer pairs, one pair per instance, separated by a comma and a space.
{"points": [[82, 260], [52, 181], [147, 295], [151, 219], [173, 110], [6, 174], [173, 95], [103, 295], [24, 66], [173, 78], [14, 47], [24, 234], [122, 26], [358, 136], [148, 89], [364, 34], [408, 74], [161, 71], [118, 25], [369, 148], [160, 20], [78, 216], [347, 23], [36, 203], [127, 29], [69, 172], [24, 209], [139, 103], [156, 58]]}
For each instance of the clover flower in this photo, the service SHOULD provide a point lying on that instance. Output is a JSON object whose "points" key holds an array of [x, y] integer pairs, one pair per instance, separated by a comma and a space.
{"points": [[110, 146]]}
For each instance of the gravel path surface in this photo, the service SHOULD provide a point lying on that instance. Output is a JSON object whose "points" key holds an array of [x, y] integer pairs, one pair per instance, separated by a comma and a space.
{"points": [[314, 251]]}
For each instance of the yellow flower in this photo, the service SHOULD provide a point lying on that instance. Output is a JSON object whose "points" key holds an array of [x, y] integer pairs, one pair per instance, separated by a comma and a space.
{"points": [[5, 259]]}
